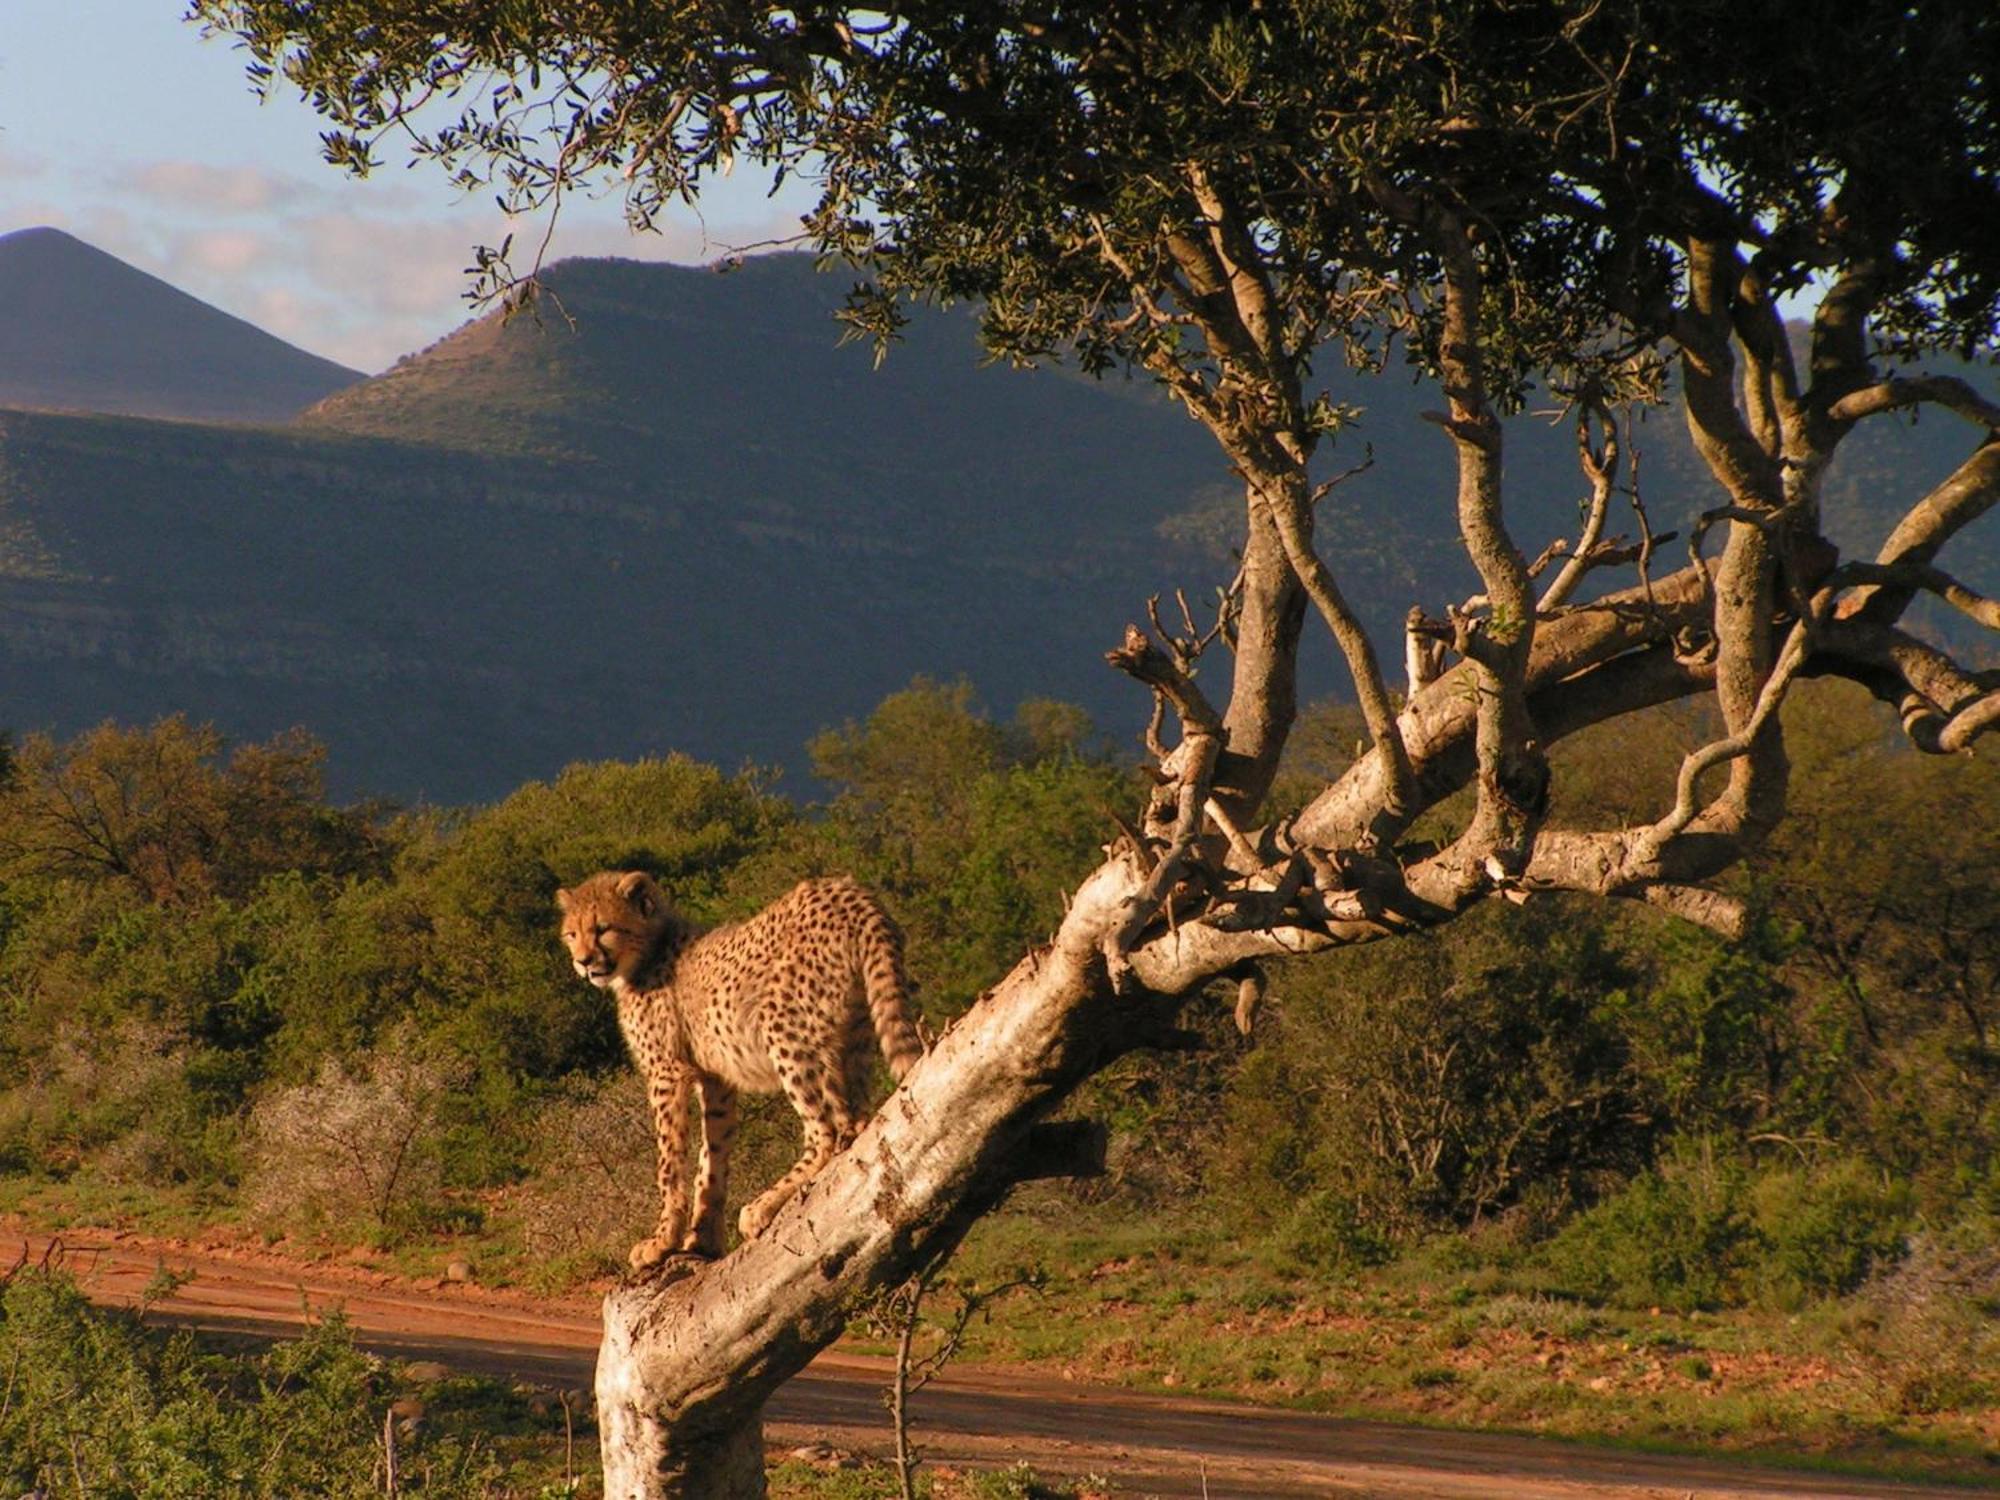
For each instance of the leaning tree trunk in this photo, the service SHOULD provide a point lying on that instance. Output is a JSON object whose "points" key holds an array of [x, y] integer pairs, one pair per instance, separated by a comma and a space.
{"points": [[687, 1364], [692, 1351]]}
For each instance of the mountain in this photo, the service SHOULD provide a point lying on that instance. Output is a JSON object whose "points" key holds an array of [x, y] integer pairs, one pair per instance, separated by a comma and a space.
{"points": [[82, 331], [684, 520], [723, 401], [674, 513]]}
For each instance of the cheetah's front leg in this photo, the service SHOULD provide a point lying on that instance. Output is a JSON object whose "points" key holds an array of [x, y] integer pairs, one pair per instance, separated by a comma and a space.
{"points": [[667, 1090]]}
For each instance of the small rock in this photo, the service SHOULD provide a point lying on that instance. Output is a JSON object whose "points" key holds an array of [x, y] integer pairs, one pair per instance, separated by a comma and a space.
{"points": [[408, 1408], [1601, 1383], [458, 1270], [426, 1372]]}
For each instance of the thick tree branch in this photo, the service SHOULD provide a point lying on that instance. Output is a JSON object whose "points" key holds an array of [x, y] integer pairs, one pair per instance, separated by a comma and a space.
{"points": [[1438, 724], [1909, 390], [686, 1364], [1513, 772], [1943, 707], [1747, 473], [1911, 576], [1965, 496]]}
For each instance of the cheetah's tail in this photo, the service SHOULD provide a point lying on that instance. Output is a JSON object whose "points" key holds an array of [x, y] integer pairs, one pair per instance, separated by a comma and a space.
{"points": [[889, 995]]}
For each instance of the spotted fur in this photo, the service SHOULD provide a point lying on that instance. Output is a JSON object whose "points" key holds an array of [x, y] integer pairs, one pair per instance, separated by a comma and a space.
{"points": [[788, 1001]]}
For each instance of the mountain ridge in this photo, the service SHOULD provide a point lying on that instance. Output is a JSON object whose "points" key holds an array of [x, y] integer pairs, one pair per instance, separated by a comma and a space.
{"points": [[80, 330]]}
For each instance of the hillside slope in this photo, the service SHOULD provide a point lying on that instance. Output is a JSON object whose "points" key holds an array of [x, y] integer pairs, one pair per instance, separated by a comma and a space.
{"points": [[675, 514], [82, 331]]}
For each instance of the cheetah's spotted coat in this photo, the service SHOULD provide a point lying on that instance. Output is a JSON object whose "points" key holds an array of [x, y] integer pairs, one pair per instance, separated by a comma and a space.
{"points": [[788, 1000]]}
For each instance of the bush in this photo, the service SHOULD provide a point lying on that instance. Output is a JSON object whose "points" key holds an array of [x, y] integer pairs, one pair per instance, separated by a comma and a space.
{"points": [[1678, 1237], [1705, 1232], [592, 1191], [1436, 1081], [1328, 1233], [359, 1146], [1937, 1312], [1826, 1230], [98, 1404]]}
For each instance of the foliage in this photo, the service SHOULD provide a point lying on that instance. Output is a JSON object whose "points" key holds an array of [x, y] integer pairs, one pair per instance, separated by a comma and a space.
{"points": [[1437, 1083], [1702, 1231], [161, 811], [974, 831], [352, 1044], [96, 1404], [1046, 162], [414, 1020]]}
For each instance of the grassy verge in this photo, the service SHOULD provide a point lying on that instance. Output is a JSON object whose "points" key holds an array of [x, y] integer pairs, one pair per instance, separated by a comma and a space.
{"points": [[1441, 1338], [1453, 1334]]}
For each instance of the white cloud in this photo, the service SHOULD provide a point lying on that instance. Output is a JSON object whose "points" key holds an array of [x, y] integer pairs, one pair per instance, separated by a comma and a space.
{"points": [[225, 252], [200, 187], [393, 285], [361, 272]]}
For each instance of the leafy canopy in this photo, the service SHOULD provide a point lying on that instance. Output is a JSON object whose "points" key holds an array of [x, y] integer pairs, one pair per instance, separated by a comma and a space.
{"points": [[1054, 158]]}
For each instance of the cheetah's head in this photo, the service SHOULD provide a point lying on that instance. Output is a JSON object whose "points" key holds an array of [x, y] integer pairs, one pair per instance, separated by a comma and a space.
{"points": [[612, 924]]}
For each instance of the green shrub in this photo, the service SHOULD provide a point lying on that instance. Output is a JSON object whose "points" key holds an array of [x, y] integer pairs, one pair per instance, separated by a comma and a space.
{"points": [[1679, 1237], [1704, 1230], [1329, 1233], [1442, 1079], [97, 1404], [1825, 1230]]}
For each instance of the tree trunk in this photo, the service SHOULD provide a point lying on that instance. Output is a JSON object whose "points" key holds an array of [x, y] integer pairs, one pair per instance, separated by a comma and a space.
{"points": [[647, 1455]]}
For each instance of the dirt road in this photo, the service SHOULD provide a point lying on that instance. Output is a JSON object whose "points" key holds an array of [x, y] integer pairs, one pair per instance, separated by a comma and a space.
{"points": [[1146, 1445]]}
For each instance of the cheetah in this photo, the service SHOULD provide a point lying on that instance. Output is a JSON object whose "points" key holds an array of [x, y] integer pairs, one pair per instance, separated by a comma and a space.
{"points": [[787, 1000]]}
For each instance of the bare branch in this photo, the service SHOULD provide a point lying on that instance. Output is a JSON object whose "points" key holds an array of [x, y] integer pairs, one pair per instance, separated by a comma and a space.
{"points": [[1423, 650], [1327, 486], [1190, 774], [1968, 494], [1600, 466]]}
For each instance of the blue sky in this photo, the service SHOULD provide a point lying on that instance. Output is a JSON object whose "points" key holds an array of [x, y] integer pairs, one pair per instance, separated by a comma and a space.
{"points": [[120, 124]]}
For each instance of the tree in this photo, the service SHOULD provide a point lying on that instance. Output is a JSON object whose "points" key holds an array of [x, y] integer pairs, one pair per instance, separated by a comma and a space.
{"points": [[164, 812], [1594, 199]]}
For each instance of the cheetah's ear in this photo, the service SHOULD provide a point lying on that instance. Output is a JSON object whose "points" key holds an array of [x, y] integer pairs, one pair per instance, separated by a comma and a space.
{"points": [[562, 900], [637, 887]]}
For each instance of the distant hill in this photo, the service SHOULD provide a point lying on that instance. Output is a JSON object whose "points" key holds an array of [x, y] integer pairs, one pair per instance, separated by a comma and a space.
{"points": [[674, 514], [723, 400], [82, 331], [691, 522]]}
